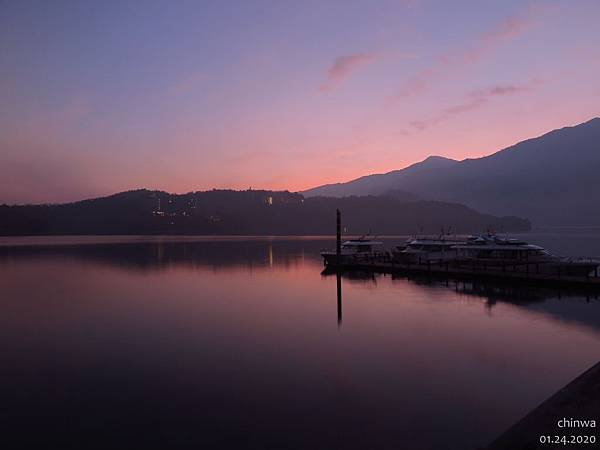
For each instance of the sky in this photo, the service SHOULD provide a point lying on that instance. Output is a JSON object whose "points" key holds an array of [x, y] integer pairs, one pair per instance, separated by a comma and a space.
{"points": [[101, 97]]}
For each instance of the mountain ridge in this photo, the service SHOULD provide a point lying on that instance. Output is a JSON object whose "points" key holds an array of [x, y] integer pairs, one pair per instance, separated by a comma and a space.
{"points": [[551, 179], [367, 181], [251, 212]]}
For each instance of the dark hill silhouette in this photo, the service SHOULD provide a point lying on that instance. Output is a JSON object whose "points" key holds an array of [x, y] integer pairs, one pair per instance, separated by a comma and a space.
{"points": [[553, 179], [381, 183], [249, 212]]}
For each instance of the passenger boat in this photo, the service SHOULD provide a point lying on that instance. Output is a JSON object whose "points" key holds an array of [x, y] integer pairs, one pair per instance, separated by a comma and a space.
{"points": [[358, 250], [423, 250], [493, 252]]}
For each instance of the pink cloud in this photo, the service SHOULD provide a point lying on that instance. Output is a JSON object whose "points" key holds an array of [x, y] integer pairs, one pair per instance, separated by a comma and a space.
{"points": [[511, 27], [475, 100], [501, 90], [507, 29], [343, 67]]}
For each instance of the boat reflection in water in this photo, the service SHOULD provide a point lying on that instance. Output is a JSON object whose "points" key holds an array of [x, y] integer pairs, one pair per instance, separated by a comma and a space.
{"points": [[239, 343], [492, 293]]}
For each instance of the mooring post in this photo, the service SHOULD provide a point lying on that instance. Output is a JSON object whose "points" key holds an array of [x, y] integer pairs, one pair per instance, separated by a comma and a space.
{"points": [[338, 236]]}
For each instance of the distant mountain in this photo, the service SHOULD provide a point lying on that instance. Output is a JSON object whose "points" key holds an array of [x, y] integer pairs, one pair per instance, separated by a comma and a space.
{"points": [[382, 183], [249, 212], [553, 179]]}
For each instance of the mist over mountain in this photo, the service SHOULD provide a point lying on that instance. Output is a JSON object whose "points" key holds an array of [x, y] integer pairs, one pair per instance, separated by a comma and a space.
{"points": [[251, 212], [553, 179]]}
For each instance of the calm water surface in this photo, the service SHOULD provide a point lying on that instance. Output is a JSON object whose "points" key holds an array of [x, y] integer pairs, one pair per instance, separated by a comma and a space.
{"points": [[238, 343]]}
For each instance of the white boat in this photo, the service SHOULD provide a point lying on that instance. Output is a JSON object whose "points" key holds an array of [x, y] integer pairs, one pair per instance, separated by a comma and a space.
{"points": [[494, 252], [357, 250], [427, 249]]}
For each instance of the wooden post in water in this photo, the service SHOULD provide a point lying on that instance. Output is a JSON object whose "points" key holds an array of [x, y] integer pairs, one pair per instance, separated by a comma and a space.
{"points": [[338, 236]]}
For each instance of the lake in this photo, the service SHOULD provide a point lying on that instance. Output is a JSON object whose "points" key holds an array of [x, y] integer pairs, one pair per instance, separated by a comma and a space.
{"points": [[155, 342]]}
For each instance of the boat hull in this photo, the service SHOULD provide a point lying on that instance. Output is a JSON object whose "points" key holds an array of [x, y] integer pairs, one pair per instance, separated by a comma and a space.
{"points": [[348, 259], [555, 268]]}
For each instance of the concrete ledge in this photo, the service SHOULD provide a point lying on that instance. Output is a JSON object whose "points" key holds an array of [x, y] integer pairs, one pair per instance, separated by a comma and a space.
{"points": [[580, 400]]}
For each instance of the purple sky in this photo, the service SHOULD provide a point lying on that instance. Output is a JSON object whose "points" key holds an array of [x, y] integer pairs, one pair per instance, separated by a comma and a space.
{"points": [[99, 97]]}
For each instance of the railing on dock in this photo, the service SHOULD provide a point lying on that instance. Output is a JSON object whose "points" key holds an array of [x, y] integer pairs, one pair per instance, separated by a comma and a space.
{"points": [[524, 270]]}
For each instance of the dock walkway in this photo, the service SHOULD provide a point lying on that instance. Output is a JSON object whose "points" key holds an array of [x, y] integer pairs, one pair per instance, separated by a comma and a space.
{"points": [[523, 272]]}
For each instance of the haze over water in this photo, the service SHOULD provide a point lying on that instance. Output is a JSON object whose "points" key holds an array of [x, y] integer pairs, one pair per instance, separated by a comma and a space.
{"points": [[235, 343]]}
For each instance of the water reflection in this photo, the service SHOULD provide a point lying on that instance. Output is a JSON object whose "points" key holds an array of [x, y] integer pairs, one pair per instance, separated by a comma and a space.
{"points": [[287, 254], [234, 344], [162, 254], [564, 304], [338, 277]]}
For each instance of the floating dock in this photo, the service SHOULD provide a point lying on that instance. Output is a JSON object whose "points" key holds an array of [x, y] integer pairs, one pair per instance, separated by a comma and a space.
{"points": [[521, 270], [526, 273]]}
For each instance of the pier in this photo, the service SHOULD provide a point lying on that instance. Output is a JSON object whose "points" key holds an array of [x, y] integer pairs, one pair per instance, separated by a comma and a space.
{"points": [[525, 272], [522, 268]]}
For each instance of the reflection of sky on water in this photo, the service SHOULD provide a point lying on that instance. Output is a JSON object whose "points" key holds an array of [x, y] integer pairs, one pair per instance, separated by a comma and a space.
{"points": [[191, 339]]}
